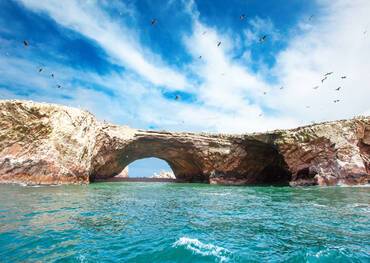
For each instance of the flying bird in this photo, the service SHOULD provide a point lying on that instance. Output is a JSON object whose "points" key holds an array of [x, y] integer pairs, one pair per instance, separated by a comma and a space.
{"points": [[322, 81], [264, 93], [154, 21], [335, 101], [263, 38], [200, 57], [242, 17], [52, 75], [337, 89], [329, 73], [25, 43], [343, 77], [309, 19], [316, 87], [40, 69], [204, 32], [177, 97], [59, 87], [307, 107], [219, 43], [281, 87]]}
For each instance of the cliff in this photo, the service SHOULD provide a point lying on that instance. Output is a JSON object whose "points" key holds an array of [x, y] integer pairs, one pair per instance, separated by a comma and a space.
{"points": [[50, 144]]}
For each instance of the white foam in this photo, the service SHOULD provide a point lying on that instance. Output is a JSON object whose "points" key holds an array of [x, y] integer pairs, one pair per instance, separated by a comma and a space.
{"points": [[197, 247], [357, 185]]}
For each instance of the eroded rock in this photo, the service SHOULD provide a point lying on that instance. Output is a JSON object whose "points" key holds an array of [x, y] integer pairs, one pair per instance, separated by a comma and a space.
{"points": [[50, 144]]}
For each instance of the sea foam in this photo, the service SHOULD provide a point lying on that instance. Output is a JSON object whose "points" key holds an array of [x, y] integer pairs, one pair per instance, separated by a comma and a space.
{"points": [[199, 248]]}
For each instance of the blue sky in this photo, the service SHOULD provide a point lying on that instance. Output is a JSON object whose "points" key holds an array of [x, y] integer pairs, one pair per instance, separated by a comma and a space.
{"points": [[110, 60]]}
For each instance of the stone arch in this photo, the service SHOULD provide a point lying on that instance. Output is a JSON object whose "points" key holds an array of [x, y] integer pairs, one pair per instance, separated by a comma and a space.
{"points": [[180, 156]]}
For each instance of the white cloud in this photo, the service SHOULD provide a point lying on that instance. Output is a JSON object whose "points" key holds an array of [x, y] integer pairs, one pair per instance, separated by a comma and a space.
{"points": [[118, 41]]}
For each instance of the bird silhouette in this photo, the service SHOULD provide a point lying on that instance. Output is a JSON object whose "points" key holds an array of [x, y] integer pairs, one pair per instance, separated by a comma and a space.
{"points": [[316, 87], [343, 77], [200, 57], [337, 89], [263, 38], [52, 75], [219, 43], [242, 17], [281, 87], [264, 93], [25, 43], [59, 87], [322, 81], [154, 21], [177, 97], [336, 101], [204, 32], [309, 19], [307, 107], [40, 69], [329, 73]]}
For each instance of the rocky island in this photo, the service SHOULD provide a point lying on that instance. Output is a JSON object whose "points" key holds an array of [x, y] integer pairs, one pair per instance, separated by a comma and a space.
{"points": [[44, 143]]}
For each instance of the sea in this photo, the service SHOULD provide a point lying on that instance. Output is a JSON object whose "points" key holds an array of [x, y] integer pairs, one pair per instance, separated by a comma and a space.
{"points": [[173, 222]]}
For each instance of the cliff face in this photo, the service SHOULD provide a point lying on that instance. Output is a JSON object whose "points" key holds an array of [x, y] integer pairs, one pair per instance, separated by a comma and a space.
{"points": [[51, 144]]}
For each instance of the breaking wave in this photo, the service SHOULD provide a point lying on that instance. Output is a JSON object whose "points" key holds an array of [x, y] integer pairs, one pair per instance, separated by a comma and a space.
{"points": [[199, 248]]}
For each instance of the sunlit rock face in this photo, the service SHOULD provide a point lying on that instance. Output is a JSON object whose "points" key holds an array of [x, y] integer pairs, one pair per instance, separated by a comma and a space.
{"points": [[50, 144]]}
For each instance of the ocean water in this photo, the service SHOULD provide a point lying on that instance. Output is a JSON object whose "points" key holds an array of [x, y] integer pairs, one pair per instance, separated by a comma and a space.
{"points": [[164, 222]]}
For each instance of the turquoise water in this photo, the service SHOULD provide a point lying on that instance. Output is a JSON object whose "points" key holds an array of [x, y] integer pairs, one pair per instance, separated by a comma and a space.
{"points": [[157, 222]]}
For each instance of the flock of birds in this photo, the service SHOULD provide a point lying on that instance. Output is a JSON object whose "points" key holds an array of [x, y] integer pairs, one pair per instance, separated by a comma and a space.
{"points": [[41, 69], [262, 39]]}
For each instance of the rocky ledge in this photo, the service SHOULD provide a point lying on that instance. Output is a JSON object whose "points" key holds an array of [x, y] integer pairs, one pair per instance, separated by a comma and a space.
{"points": [[50, 144]]}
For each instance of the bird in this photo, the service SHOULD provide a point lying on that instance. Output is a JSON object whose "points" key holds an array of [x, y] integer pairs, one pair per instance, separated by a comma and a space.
{"points": [[281, 87], [337, 89], [260, 115], [219, 43], [310, 18], [322, 81], [25, 43], [316, 87], [200, 57], [263, 38], [154, 21], [365, 32], [264, 93], [204, 32], [329, 73], [335, 101], [177, 97], [242, 16], [40, 69], [59, 87], [307, 107], [52, 75], [343, 77]]}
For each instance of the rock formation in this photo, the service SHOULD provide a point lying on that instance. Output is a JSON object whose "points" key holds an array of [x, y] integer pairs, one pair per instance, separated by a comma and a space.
{"points": [[50, 144], [164, 175]]}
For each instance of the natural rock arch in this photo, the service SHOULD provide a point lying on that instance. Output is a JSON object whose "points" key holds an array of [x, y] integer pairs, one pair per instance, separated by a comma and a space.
{"points": [[184, 162], [44, 143], [195, 158]]}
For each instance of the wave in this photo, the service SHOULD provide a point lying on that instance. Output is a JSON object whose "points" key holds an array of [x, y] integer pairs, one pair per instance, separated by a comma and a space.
{"points": [[199, 248]]}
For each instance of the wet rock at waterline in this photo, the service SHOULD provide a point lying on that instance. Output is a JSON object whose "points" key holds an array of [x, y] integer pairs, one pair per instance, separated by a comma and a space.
{"points": [[50, 144]]}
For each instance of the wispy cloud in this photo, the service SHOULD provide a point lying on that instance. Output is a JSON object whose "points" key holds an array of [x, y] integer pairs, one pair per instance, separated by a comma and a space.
{"points": [[118, 41]]}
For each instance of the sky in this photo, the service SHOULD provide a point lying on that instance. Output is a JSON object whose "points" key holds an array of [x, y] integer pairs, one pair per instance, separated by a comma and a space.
{"points": [[203, 65]]}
